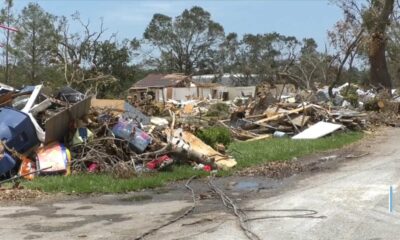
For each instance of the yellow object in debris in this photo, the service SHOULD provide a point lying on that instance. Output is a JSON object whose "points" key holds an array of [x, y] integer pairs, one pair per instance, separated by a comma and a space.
{"points": [[81, 135]]}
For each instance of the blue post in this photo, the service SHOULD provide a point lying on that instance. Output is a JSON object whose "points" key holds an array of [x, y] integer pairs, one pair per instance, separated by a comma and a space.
{"points": [[391, 199]]}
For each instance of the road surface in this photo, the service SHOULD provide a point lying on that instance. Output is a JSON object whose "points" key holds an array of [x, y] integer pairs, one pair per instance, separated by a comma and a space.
{"points": [[347, 202]]}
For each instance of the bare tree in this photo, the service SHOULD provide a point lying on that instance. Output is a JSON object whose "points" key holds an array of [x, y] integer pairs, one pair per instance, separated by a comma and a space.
{"points": [[347, 43], [77, 55]]}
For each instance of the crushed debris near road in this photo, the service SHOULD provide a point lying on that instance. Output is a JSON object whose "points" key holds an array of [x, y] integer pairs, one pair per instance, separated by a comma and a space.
{"points": [[69, 132]]}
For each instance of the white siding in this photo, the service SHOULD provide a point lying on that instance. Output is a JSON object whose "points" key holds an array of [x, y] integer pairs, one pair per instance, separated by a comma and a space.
{"points": [[183, 94], [234, 92], [237, 91]]}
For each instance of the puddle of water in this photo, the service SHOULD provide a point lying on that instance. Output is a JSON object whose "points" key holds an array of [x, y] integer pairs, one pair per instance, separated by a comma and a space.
{"points": [[136, 198], [246, 185]]}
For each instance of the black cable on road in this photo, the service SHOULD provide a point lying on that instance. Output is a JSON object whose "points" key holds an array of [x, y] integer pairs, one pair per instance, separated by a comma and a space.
{"points": [[187, 212]]}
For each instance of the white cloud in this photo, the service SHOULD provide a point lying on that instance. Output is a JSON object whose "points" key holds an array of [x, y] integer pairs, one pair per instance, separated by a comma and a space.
{"points": [[139, 13]]}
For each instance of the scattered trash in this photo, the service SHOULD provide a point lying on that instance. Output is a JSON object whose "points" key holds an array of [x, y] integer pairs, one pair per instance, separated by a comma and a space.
{"points": [[7, 162], [279, 134], [69, 131], [138, 139], [55, 158], [160, 162]]}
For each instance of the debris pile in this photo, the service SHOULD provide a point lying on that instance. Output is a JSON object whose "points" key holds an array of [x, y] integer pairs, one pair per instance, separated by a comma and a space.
{"points": [[67, 132], [44, 133], [292, 115]]}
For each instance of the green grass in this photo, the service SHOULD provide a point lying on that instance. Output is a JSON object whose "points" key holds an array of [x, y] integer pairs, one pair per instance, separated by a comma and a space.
{"points": [[282, 149], [104, 183], [246, 154]]}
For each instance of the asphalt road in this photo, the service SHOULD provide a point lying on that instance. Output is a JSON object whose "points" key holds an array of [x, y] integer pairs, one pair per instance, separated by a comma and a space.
{"points": [[347, 202]]}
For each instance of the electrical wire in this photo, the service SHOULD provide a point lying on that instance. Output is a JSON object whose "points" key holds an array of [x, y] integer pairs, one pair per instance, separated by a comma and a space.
{"points": [[187, 212]]}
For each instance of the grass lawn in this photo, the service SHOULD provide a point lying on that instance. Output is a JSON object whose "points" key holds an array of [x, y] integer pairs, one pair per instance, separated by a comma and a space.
{"points": [[282, 149], [246, 154]]}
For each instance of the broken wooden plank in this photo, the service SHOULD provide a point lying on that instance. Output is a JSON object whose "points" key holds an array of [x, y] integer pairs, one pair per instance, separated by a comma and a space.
{"points": [[261, 137], [282, 115], [198, 147], [294, 125], [301, 120]]}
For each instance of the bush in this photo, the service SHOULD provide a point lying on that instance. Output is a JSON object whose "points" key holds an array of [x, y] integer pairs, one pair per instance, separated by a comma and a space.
{"points": [[350, 94], [218, 110], [214, 135]]}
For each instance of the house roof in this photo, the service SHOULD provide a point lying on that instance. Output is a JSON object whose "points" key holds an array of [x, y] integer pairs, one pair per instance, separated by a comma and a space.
{"points": [[207, 84], [156, 80], [226, 79]]}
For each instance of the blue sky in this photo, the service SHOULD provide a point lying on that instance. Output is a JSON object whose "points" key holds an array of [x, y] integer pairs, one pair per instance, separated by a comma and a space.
{"points": [[129, 18]]}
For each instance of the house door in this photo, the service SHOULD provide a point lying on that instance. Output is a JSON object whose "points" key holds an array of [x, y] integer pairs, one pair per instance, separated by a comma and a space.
{"points": [[225, 96], [169, 93]]}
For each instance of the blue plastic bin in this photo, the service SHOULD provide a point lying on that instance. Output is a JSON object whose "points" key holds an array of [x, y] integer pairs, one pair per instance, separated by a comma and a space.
{"points": [[138, 139], [6, 163], [17, 130]]}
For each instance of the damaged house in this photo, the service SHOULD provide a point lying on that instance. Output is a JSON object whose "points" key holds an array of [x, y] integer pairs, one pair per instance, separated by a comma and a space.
{"points": [[161, 87], [179, 87]]}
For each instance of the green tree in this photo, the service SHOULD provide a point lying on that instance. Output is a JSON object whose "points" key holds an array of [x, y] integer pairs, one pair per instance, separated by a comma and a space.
{"points": [[7, 18], [376, 20], [184, 43], [113, 58], [35, 40], [373, 19], [263, 57]]}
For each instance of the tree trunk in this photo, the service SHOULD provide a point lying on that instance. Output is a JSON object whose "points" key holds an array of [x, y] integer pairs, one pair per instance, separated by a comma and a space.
{"points": [[379, 72], [7, 74], [377, 47], [33, 60]]}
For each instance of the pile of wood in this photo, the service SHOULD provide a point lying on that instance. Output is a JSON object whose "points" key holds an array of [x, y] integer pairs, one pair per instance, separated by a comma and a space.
{"points": [[290, 119], [109, 153]]}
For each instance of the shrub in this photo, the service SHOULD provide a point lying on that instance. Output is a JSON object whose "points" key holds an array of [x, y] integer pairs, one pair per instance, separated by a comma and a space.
{"points": [[218, 110], [350, 94], [214, 135]]}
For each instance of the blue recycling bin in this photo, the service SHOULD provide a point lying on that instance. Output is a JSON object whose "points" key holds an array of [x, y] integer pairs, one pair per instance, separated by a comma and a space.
{"points": [[137, 138], [17, 130], [6, 163]]}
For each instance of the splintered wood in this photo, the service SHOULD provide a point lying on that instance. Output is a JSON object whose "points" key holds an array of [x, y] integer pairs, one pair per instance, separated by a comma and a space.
{"points": [[290, 119]]}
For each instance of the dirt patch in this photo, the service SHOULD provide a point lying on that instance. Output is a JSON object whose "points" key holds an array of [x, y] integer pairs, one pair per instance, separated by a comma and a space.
{"points": [[276, 170], [17, 194]]}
